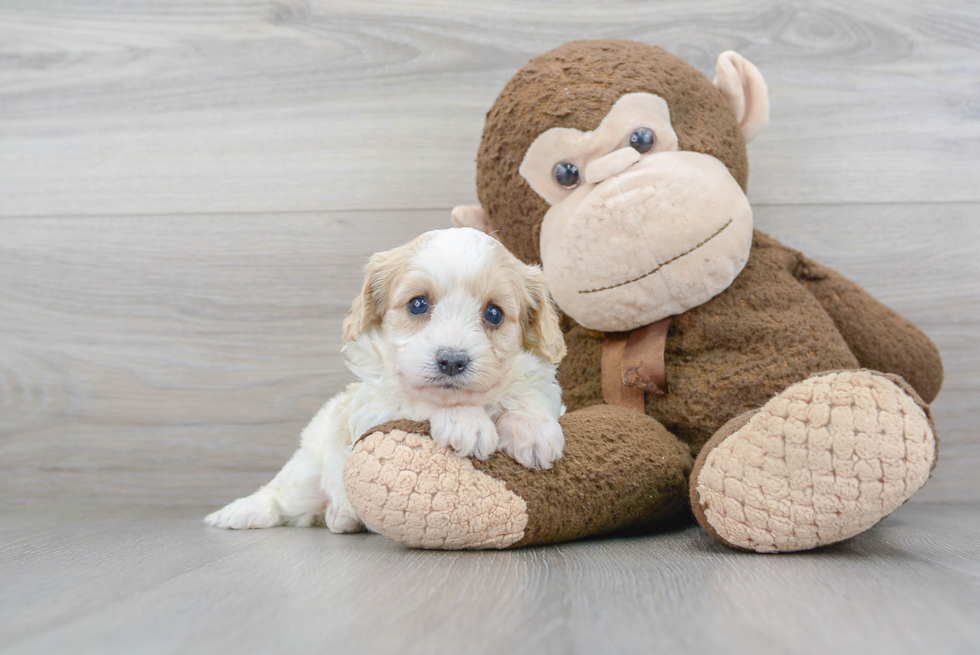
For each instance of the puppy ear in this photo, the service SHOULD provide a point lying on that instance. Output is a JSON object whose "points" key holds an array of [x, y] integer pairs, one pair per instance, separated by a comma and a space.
{"points": [[542, 327], [380, 275], [365, 311]]}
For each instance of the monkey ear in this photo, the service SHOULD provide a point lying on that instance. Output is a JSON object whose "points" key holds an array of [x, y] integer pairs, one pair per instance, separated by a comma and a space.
{"points": [[743, 87], [542, 330], [471, 216]]}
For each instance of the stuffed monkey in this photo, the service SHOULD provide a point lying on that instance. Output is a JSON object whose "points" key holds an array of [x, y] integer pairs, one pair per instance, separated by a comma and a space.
{"points": [[707, 363]]}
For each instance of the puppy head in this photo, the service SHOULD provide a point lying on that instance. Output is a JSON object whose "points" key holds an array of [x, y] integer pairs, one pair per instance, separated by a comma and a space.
{"points": [[455, 308]]}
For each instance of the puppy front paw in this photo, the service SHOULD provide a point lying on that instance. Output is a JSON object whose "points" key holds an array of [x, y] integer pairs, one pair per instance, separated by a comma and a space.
{"points": [[468, 430], [342, 520], [255, 511], [534, 441], [340, 517]]}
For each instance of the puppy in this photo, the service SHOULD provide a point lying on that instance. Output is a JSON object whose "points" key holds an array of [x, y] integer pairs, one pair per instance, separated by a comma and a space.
{"points": [[451, 329]]}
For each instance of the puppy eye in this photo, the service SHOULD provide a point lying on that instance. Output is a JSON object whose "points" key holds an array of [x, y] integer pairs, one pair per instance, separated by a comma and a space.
{"points": [[567, 175], [494, 315], [418, 305], [642, 140]]}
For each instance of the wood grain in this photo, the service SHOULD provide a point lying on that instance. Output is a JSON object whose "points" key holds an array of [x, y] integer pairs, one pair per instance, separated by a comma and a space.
{"points": [[175, 358], [194, 106], [95, 580]]}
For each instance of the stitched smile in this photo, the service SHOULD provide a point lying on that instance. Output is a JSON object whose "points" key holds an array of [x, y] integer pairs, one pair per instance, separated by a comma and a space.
{"points": [[669, 261]]}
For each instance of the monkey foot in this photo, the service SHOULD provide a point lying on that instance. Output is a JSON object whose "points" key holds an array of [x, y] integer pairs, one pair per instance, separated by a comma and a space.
{"points": [[821, 462], [408, 488]]}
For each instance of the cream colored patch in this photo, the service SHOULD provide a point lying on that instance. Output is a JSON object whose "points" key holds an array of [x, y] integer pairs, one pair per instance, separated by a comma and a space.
{"points": [[409, 489], [743, 87], [676, 231], [472, 216], [614, 163], [565, 144], [821, 462]]}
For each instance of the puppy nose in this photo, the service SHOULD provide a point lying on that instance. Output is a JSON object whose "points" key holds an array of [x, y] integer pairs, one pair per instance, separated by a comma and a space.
{"points": [[452, 362]]}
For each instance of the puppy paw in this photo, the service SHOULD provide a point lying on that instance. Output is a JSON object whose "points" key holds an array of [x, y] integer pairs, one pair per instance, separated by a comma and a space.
{"points": [[255, 511], [341, 519], [468, 430], [534, 441]]}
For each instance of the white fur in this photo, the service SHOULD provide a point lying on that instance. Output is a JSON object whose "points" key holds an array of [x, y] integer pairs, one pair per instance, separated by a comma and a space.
{"points": [[510, 403]]}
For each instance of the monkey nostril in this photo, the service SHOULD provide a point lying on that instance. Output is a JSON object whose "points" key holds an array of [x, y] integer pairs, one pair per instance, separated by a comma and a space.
{"points": [[452, 362]]}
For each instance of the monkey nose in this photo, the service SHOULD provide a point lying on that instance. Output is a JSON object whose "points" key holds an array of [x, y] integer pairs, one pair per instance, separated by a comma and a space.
{"points": [[614, 163]]}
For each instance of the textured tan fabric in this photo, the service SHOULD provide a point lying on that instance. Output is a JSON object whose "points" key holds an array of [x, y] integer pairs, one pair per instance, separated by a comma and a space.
{"points": [[620, 469], [657, 240], [406, 487], [821, 462]]}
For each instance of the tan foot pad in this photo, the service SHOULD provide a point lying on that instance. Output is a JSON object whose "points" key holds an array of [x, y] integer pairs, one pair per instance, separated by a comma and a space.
{"points": [[821, 462], [409, 489]]}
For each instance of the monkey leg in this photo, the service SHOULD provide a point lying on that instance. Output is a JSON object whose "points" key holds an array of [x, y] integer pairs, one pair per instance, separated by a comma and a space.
{"points": [[620, 469], [821, 462]]}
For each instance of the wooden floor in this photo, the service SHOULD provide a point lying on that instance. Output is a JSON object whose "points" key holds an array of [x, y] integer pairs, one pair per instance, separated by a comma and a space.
{"points": [[83, 579], [188, 191]]}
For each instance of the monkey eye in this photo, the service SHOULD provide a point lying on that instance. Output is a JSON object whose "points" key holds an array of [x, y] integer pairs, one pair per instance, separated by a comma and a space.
{"points": [[642, 140], [567, 175], [418, 305]]}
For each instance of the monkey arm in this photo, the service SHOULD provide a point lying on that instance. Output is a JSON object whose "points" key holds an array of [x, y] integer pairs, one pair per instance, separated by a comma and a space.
{"points": [[621, 469], [879, 338]]}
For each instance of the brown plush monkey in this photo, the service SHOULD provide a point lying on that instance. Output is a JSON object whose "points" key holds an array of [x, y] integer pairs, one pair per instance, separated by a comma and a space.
{"points": [[622, 170]]}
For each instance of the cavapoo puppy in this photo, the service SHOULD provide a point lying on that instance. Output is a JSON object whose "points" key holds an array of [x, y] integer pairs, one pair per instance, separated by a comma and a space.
{"points": [[450, 328]]}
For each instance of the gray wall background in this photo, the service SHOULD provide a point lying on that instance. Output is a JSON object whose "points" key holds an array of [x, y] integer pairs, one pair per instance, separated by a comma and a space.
{"points": [[188, 192]]}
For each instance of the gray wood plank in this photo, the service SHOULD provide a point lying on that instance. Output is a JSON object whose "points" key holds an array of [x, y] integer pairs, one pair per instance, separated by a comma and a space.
{"points": [[142, 345], [175, 358], [92, 581], [956, 478], [195, 106]]}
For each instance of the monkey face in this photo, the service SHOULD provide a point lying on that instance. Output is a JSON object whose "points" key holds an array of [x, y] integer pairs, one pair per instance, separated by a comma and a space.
{"points": [[630, 189], [637, 230]]}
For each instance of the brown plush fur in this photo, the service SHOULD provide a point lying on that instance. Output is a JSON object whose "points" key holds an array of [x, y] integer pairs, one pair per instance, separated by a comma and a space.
{"points": [[620, 469], [737, 423], [636, 473], [879, 338], [768, 330], [574, 85]]}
